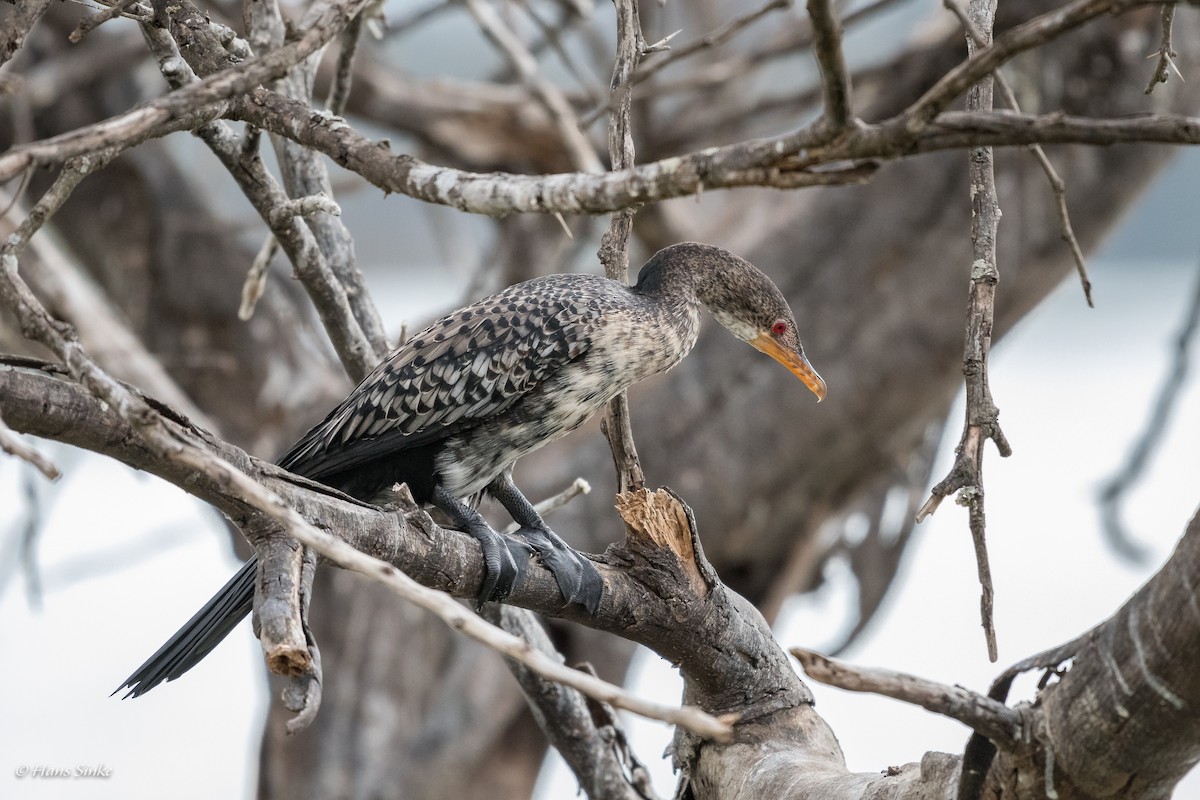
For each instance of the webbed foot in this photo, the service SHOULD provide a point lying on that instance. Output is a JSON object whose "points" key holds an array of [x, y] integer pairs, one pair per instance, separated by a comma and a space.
{"points": [[578, 579]]}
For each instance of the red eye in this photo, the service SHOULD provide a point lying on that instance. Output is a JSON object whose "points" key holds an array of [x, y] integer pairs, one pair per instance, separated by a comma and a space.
{"points": [[780, 327]]}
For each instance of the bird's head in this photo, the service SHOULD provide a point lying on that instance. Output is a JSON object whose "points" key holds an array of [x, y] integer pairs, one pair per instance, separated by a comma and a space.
{"points": [[744, 300]]}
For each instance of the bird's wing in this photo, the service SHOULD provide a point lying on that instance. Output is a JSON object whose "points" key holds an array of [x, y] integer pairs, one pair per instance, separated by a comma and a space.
{"points": [[458, 372]]}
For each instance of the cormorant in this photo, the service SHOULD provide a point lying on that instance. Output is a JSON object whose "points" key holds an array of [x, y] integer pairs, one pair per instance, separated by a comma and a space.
{"points": [[450, 410]]}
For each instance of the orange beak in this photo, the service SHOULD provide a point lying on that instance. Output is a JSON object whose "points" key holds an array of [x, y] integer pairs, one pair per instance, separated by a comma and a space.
{"points": [[796, 363]]}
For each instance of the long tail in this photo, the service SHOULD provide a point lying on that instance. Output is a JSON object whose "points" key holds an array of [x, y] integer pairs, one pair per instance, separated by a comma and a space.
{"points": [[199, 635]]}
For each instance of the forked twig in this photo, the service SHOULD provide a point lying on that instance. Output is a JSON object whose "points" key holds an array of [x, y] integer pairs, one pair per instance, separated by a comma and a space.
{"points": [[1166, 53], [982, 416]]}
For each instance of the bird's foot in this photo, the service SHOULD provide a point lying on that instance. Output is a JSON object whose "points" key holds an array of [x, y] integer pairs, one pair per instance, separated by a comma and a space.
{"points": [[577, 578], [504, 562]]}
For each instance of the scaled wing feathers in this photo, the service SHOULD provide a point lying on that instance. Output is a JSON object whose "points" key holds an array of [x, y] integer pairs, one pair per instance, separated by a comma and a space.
{"points": [[457, 373]]}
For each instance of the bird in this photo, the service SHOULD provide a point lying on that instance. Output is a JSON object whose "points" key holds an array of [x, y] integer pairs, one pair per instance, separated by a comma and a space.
{"points": [[451, 409]]}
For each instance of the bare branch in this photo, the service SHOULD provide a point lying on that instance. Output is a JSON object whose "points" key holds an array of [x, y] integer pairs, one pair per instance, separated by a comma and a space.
{"points": [[329, 296], [256, 277], [89, 24], [187, 107], [12, 444], [989, 717], [966, 476], [339, 93], [305, 174], [614, 245], [1166, 54], [827, 46]]}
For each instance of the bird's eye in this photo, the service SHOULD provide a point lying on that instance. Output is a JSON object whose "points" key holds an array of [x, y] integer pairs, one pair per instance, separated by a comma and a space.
{"points": [[780, 327]]}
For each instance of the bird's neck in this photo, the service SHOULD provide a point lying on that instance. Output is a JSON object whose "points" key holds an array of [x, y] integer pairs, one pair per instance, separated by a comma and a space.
{"points": [[684, 275]]}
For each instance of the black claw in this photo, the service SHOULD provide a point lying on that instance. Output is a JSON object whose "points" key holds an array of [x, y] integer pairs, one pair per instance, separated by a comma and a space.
{"points": [[504, 562], [577, 578]]}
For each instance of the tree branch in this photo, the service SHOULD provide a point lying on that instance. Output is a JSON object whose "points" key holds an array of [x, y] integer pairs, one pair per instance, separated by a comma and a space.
{"points": [[249, 491], [988, 717], [12, 444], [187, 107], [966, 475], [262, 190], [614, 245], [591, 750], [835, 79]]}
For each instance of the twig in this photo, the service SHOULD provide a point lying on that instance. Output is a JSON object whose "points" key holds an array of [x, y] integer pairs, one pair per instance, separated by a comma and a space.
{"points": [[982, 416], [583, 154], [1166, 54], [709, 40], [90, 23], [978, 712], [339, 92], [12, 444], [1056, 183], [256, 277], [1113, 491], [827, 47], [614, 244]]}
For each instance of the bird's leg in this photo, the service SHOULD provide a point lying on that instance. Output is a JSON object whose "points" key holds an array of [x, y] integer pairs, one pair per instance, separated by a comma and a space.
{"points": [[504, 560], [577, 577]]}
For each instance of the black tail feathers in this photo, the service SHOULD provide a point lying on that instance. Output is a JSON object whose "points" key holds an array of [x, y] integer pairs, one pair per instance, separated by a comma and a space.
{"points": [[199, 635]]}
